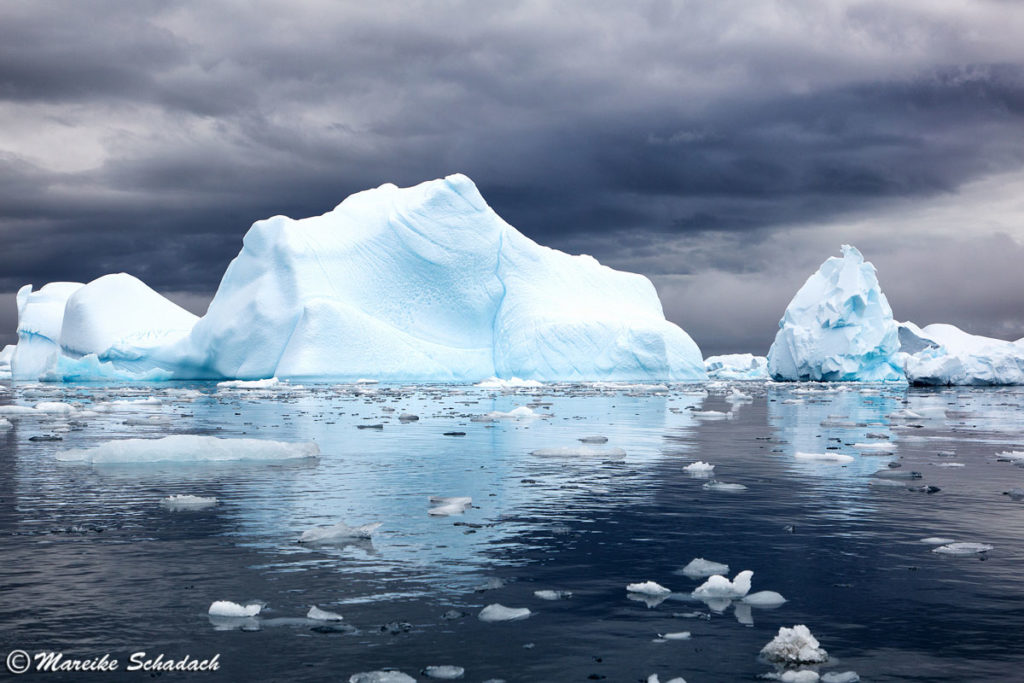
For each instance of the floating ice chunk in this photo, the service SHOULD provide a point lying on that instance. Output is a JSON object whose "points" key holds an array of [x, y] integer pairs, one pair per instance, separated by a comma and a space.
{"points": [[189, 448], [699, 568], [937, 540], [226, 608], [801, 676], [5, 424], [318, 614], [700, 467], [737, 396], [824, 457], [963, 548], [711, 415], [653, 678], [593, 439], [268, 383], [160, 420], [1006, 455], [764, 599], [957, 357], [520, 413], [553, 595], [906, 414], [449, 506], [794, 646], [718, 586], [496, 612], [444, 672], [339, 531], [580, 451], [736, 366], [648, 588], [366, 380], [678, 635], [887, 483], [511, 383], [715, 485], [381, 677], [949, 464], [188, 502], [55, 407], [18, 410], [840, 677]]}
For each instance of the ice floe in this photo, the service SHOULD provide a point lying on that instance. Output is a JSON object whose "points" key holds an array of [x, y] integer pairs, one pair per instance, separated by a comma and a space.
{"points": [[699, 568], [189, 448], [824, 457], [718, 586], [794, 646], [648, 588], [226, 608], [496, 612], [715, 485], [445, 672], [188, 502], [337, 532], [699, 467]]}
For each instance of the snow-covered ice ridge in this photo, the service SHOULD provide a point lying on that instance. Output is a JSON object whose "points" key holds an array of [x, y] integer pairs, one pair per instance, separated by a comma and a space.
{"points": [[423, 283]]}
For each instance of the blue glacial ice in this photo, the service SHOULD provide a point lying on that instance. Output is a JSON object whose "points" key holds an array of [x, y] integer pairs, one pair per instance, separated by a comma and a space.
{"points": [[838, 327], [948, 355], [422, 283]]}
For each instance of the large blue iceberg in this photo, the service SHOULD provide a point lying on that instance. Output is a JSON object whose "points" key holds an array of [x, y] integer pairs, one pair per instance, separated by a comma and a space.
{"points": [[424, 283], [838, 327]]}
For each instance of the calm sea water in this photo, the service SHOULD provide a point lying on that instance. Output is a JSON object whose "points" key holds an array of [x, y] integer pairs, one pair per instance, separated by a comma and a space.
{"points": [[92, 563]]}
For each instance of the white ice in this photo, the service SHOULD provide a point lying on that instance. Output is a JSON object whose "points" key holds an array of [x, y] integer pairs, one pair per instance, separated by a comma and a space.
{"points": [[963, 548], [700, 467], [718, 586], [445, 672], [824, 457], [188, 502], [764, 599], [715, 485], [496, 612], [794, 645], [838, 327], [381, 677], [189, 448], [648, 588], [737, 366], [318, 614], [552, 595], [699, 568], [958, 357], [226, 608]]}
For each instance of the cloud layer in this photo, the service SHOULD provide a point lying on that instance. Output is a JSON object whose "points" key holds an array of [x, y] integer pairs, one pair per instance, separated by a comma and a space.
{"points": [[720, 148]]}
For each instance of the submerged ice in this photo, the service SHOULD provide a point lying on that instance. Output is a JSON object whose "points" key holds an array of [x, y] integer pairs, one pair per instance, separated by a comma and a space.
{"points": [[420, 283]]}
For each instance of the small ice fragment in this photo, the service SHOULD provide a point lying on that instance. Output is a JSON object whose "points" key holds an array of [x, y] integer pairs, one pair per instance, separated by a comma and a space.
{"points": [[653, 678], [801, 676], [699, 568], [718, 586], [553, 595], [965, 548], [699, 467], [823, 457], [55, 407], [949, 464], [937, 540], [381, 677], [593, 439], [408, 417], [444, 507], [648, 588], [445, 672], [496, 612], [226, 608], [794, 646], [764, 599], [678, 635], [339, 531], [715, 485], [188, 502], [322, 615], [840, 677], [711, 415]]}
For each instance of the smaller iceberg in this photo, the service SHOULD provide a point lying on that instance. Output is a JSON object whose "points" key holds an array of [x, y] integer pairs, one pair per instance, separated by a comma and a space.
{"points": [[736, 366], [494, 613], [226, 608], [838, 327], [718, 586], [794, 646], [946, 355]]}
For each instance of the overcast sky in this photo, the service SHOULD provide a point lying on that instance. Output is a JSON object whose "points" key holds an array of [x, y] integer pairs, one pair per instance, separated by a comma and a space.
{"points": [[723, 148]]}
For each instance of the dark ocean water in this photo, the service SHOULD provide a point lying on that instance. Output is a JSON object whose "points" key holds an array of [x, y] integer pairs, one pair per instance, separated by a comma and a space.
{"points": [[92, 563]]}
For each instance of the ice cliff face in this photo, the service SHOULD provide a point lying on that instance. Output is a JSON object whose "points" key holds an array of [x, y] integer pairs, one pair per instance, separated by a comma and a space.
{"points": [[422, 283], [838, 327]]}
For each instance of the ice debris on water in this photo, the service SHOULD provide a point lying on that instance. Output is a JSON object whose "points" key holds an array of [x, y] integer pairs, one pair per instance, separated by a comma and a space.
{"points": [[553, 595], [444, 507], [648, 588], [678, 635], [715, 485], [520, 413], [653, 678], [189, 448], [381, 677], [794, 646], [581, 451], [318, 614], [699, 467], [718, 586], [226, 608], [593, 439], [511, 383], [339, 531], [444, 672], [840, 677], [496, 612], [764, 599], [699, 568], [188, 502], [937, 540], [823, 457], [963, 548]]}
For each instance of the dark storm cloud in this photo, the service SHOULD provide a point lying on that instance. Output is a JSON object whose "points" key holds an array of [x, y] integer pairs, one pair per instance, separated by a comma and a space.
{"points": [[146, 137]]}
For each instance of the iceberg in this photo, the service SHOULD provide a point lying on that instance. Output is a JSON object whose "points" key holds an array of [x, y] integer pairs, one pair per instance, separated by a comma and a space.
{"points": [[736, 366], [424, 283], [947, 355], [6, 354], [838, 327]]}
